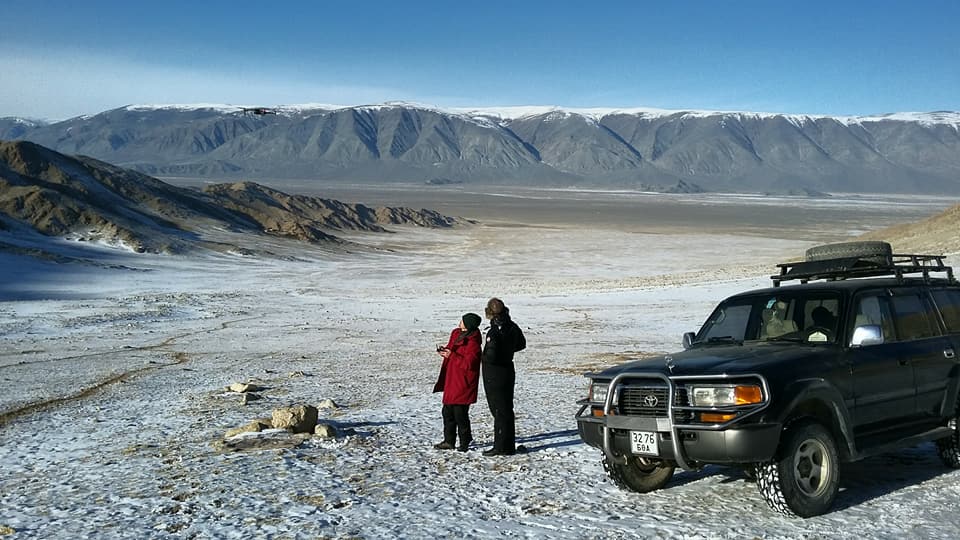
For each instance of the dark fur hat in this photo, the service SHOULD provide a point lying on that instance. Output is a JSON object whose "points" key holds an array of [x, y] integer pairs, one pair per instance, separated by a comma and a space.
{"points": [[495, 309]]}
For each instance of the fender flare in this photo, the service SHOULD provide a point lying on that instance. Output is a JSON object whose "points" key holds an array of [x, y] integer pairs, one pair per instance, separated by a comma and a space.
{"points": [[815, 398]]}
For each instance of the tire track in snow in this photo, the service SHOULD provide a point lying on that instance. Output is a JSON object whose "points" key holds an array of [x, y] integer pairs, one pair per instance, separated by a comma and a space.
{"points": [[37, 406], [165, 343], [179, 358]]}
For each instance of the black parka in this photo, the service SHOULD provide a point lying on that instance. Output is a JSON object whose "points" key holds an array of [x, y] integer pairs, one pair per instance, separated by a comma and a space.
{"points": [[503, 340]]}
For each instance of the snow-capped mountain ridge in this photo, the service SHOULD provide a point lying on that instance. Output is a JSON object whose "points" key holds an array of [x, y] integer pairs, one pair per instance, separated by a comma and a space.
{"points": [[511, 112], [635, 148], [497, 116]]}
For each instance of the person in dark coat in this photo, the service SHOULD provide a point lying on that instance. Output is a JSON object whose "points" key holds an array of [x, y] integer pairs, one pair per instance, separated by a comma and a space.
{"points": [[504, 338], [459, 379]]}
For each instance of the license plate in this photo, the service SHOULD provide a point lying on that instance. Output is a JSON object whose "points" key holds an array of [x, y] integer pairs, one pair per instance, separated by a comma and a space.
{"points": [[644, 442]]}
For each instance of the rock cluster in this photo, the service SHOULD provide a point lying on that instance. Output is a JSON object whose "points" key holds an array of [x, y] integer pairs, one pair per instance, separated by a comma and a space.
{"points": [[298, 419]]}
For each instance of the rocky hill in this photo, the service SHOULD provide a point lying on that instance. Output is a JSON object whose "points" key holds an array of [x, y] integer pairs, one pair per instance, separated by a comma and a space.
{"points": [[306, 218], [85, 199], [649, 149], [935, 235]]}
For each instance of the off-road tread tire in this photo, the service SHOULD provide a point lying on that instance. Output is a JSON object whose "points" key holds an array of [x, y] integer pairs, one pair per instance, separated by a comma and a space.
{"points": [[873, 250], [647, 482], [768, 483], [948, 448], [769, 480]]}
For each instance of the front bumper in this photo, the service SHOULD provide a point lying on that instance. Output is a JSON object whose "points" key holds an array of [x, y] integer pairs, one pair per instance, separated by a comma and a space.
{"points": [[742, 444], [679, 438]]}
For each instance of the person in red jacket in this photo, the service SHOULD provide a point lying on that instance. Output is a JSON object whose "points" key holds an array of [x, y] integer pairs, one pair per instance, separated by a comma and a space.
{"points": [[459, 379]]}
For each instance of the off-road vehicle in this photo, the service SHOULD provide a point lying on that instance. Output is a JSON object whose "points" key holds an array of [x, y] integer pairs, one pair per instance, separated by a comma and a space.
{"points": [[855, 358]]}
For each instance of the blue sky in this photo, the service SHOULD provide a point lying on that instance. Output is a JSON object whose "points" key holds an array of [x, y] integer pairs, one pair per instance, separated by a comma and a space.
{"points": [[60, 59]]}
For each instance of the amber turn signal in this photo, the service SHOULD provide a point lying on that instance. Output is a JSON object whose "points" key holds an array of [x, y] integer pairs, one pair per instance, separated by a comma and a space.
{"points": [[746, 395], [716, 418]]}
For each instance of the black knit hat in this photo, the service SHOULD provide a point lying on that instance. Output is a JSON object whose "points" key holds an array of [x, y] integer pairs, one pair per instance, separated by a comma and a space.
{"points": [[471, 321]]}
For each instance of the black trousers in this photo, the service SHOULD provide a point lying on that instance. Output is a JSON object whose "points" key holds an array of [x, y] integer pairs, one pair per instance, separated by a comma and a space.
{"points": [[498, 382], [456, 419]]}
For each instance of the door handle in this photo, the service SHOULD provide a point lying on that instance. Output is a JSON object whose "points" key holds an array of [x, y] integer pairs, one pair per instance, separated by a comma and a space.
{"points": [[948, 353]]}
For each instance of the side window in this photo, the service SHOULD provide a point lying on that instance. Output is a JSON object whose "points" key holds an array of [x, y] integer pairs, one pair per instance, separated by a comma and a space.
{"points": [[912, 318], [948, 301], [873, 309]]}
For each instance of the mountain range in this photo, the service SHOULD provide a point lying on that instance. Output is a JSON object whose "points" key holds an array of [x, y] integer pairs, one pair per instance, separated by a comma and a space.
{"points": [[81, 198], [638, 148]]}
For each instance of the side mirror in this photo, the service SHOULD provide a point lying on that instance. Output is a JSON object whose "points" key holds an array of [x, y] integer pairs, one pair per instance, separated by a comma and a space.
{"points": [[864, 336], [688, 338]]}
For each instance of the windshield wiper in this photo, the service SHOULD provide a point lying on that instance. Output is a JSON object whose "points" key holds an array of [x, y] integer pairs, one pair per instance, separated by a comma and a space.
{"points": [[724, 339], [795, 339]]}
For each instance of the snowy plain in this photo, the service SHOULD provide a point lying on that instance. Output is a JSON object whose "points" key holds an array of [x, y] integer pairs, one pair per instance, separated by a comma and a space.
{"points": [[113, 406]]}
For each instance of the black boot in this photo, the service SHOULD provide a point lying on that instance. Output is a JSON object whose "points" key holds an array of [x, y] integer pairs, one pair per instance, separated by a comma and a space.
{"points": [[465, 440], [443, 446]]}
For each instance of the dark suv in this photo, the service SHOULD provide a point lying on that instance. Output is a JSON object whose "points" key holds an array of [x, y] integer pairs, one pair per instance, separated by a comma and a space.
{"points": [[857, 358]]}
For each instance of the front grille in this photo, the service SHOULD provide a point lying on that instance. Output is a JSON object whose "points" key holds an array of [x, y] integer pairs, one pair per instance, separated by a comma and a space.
{"points": [[650, 401], [643, 401]]}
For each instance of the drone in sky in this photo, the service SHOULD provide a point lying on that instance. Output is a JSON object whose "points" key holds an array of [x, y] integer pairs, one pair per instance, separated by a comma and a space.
{"points": [[259, 111]]}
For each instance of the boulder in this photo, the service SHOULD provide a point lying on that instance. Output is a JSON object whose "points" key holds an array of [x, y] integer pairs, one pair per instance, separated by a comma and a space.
{"points": [[243, 387], [327, 431], [298, 419], [328, 404]]}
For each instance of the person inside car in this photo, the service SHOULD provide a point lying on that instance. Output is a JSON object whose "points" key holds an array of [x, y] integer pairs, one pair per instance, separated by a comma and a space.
{"points": [[775, 322], [824, 325]]}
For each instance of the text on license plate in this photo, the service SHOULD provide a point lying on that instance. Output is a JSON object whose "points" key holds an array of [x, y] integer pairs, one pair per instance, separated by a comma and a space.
{"points": [[644, 442]]}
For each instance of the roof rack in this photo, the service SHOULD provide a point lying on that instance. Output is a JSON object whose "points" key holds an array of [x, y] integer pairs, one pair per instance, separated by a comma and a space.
{"points": [[857, 267]]}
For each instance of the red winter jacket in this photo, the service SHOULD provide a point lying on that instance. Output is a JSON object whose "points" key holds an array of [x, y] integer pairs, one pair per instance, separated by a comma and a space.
{"points": [[460, 372]]}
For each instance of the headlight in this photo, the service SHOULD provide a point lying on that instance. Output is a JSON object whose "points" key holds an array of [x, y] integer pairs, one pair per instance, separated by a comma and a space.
{"points": [[724, 396], [598, 392]]}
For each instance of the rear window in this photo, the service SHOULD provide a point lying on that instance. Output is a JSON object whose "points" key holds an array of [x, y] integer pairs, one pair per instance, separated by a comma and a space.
{"points": [[948, 300], [912, 318]]}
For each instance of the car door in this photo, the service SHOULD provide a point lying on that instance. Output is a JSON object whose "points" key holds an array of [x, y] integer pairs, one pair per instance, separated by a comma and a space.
{"points": [[884, 390], [937, 378], [923, 345]]}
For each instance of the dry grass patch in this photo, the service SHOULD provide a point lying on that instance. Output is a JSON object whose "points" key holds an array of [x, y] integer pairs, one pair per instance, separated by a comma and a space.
{"points": [[600, 361]]}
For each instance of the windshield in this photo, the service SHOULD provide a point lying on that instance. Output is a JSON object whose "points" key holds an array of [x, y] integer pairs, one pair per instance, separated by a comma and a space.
{"points": [[809, 318]]}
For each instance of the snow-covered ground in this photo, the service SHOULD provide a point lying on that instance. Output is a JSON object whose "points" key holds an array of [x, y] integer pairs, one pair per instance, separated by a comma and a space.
{"points": [[113, 409]]}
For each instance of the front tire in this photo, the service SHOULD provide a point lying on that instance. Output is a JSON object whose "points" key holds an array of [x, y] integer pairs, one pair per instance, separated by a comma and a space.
{"points": [[639, 474], [804, 478]]}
